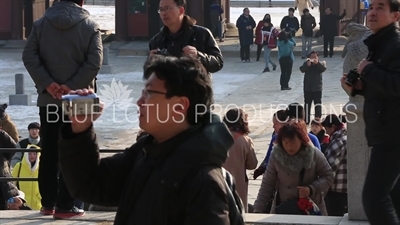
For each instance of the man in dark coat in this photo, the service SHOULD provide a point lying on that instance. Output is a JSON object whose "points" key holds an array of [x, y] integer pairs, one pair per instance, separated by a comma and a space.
{"points": [[216, 12], [170, 176], [307, 25], [380, 85], [64, 51], [245, 24], [312, 85], [329, 29], [181, 37], [290, 23]]}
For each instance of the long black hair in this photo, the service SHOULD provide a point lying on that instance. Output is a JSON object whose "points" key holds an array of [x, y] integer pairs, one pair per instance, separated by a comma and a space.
{"points": [[283, 36]]}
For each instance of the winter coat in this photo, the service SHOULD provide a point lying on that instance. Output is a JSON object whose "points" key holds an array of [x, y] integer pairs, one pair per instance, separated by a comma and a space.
{"points": [[7, 189], [259, 38], [329, 24], [241, 158], [307, 25], [290, 25], [178, 181], [303, 4], [313, 76], [381, 87], [8, 126], [245, 35], [270, 36], [30, 188], [323, 139], [285, 49], [197, 36], [283, 173], [65, 47]]}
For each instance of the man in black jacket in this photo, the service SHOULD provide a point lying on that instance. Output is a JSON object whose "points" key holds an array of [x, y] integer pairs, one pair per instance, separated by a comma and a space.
{"points": [[290, 23], [173, 174], [181, 37], [329, 29], [379, 83], [307, 25], [312, 85]]}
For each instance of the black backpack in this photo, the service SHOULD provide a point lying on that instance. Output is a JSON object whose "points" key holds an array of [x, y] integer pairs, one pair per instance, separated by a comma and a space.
{"points": [[236, 209]]}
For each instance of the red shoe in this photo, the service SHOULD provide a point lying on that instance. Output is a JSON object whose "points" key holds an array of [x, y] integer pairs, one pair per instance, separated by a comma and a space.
{"points": [[66, 214], [47, 211]]}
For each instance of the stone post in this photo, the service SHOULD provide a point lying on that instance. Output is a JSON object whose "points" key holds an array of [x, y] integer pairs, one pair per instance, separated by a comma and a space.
{"points": [[19, 98], [106, 68], [358, 154]]}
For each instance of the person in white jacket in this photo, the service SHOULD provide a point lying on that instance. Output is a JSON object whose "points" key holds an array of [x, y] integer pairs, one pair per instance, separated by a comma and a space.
{"points": [[300, 5]]}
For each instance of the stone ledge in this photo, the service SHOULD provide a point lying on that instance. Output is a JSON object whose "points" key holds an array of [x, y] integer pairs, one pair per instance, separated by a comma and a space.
{"points": [[107, 218]]}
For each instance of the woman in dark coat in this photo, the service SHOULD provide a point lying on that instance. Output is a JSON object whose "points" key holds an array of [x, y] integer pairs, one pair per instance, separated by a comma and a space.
{"points": [[7, 189], [245, 24]]}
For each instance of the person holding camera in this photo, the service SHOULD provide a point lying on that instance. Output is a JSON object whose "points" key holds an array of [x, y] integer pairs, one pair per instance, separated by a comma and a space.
{"points": [[181, 37], [377, 78], [312, 85]]}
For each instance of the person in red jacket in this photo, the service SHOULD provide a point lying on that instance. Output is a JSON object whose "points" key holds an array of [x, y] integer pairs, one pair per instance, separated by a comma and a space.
{"points": [[259, 39], [318, 130]]}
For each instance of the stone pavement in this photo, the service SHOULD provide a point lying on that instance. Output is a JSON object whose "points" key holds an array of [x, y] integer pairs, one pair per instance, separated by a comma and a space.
{"points": [[10, 217]]}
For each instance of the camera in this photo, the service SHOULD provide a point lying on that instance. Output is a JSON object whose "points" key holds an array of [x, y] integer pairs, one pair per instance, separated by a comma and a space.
{"points": [[73, 105], [163, 51], [352, 77]]}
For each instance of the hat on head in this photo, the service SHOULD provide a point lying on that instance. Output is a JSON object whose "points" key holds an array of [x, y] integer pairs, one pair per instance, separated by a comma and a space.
{"points": [[34, 125], [3, 111]]}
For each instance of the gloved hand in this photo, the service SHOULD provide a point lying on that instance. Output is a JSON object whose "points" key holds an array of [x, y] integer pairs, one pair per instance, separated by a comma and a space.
{"points": [[259, 171], [295, 8]]}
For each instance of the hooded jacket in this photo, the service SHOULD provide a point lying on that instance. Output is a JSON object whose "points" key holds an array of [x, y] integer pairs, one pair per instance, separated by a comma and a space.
{"points": [[25, 169], [7, 189], [65, 47], [175, 182]]}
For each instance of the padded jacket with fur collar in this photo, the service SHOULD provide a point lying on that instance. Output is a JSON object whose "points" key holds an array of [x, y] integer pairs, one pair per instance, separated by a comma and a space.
{"points": [[199, 37], [177, 182], [283, 173]]}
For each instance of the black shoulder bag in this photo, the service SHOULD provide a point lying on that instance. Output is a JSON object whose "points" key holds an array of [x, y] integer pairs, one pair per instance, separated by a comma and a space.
{"points": [[289, 207]]}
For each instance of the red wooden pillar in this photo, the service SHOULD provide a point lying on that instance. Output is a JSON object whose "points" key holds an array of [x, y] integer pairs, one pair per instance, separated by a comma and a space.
{"points": [[121, 19], [17, 24]]}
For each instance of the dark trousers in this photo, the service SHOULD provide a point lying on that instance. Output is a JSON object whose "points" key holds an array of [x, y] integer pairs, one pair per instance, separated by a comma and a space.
{"points": [[259, 48], [286, 64], [245, 52], [309, 98], [328, 40], [336, 203], [381, 194], [51, 183]]}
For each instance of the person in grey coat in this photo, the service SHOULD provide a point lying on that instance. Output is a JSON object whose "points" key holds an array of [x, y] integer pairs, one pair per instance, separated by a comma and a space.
{"points": [[312, 85], [63, 52]]}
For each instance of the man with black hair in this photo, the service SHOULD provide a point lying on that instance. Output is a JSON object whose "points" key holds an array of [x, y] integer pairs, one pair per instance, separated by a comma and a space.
{"points": [[64, 51], [379, 83], [290, 23], [329, 29], [181, 37], [174, 172]]}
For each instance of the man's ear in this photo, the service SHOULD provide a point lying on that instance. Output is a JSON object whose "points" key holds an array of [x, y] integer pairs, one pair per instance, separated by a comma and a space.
{"points": [[396, 16]]}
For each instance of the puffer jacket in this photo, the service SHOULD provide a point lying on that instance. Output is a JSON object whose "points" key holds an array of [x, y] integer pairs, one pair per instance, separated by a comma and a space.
{"points": [[25, 169], [283, 173], [381, 87], [65, 47], [178, 181], [7, 189], [197, 36]]}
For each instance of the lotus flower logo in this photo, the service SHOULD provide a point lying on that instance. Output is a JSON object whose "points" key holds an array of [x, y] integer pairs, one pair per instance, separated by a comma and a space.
{"points": [[116, 94]]}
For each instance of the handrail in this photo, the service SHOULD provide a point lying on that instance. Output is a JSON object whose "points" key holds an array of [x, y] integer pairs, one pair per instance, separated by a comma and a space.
{"points": [[8, 150]]}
